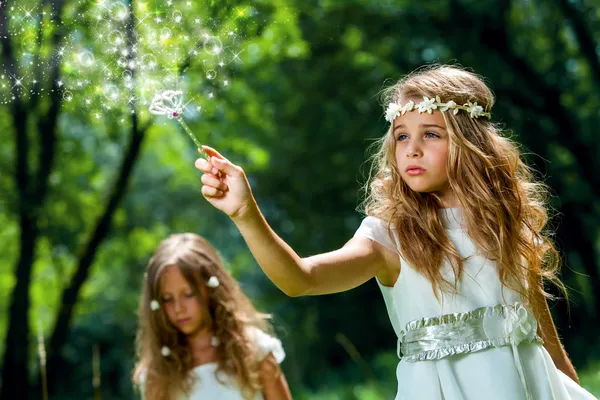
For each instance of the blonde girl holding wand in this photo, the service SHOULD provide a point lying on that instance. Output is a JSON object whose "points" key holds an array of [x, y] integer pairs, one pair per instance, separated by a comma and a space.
{"points": [[455, 236]]}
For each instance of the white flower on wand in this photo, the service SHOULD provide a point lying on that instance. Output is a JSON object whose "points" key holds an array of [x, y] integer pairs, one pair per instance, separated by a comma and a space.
{"points": [[170, 104]]}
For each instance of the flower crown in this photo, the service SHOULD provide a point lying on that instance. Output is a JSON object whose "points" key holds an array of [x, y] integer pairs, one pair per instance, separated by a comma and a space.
{"points": [[429, 104]]}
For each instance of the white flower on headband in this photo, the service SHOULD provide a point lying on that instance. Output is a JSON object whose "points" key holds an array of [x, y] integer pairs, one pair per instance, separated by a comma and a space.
{"points": [[475, 110], [154, 305], [428, 105], [408, 107], [165, 351], [449, 105], [213, 282], [393, 111], [214, 341]]}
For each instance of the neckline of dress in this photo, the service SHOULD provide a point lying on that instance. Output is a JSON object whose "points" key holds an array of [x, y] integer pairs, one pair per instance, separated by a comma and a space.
{"points": [[208, 364], [452, 218]]}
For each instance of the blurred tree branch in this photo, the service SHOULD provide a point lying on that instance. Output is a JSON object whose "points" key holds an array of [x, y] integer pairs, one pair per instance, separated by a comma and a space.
{"points": [[102, 227], [587, 44], [31, 199]]}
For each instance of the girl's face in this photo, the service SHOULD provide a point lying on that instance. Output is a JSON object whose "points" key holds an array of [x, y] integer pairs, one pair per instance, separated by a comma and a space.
{"points": [[422, 152], [184, 306]]}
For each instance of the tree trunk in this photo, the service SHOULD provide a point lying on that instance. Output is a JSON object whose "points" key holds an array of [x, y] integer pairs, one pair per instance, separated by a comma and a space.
{"points": [[70, 295], [14, 371]]}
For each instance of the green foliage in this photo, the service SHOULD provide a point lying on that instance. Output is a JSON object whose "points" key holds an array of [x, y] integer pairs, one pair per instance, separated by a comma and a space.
{"points": [[298, 114], [590, 379]]}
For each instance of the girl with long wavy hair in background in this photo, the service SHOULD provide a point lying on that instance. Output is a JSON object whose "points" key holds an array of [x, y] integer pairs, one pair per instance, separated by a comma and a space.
{"points": [[456, 237], [199, 336]]}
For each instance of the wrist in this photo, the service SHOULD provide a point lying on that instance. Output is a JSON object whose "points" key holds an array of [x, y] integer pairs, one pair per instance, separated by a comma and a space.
{"points": [[247, 215]]}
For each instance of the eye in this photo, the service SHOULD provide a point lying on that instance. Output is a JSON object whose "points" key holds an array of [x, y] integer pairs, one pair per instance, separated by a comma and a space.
{"points": [[432, 135], [401, 137], [166, 299], [190, 294]]}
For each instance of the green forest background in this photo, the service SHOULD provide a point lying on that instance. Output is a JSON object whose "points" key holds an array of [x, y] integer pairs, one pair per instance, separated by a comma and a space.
{"points": [[90, 182]]}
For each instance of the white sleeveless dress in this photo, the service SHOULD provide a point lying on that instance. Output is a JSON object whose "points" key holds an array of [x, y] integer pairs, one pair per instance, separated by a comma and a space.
{"points": [[470, 371], [208, 387]]}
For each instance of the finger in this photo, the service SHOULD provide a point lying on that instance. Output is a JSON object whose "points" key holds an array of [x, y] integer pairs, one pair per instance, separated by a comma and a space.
{"points": [[212, 152], [209, 191], [226, 166], [213, 181], [204, 165]]}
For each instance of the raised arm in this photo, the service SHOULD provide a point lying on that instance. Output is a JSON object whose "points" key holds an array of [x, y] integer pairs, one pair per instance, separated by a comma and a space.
{"points": [[225, 186]]}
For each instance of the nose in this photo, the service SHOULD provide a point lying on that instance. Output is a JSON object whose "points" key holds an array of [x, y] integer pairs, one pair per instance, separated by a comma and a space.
{"points": [[413, 150], [179, 306]]}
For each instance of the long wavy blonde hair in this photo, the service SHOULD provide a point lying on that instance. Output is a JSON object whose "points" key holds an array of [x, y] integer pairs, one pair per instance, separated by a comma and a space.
{"points": [[164, 378], [503, 207]]}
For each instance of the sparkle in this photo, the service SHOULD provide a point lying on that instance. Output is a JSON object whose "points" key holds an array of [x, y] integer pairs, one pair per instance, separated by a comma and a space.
{"points": [[18, 82], [236, 56], [160, 52]]}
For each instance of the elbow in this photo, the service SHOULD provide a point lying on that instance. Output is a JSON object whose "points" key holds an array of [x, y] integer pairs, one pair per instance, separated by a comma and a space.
{"points": [[304, 289], [294, 292], [301, 286]]}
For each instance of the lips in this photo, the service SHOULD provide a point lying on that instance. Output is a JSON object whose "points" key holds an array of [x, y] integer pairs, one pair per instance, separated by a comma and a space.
{"points": [[414, 170], [183, 321]]}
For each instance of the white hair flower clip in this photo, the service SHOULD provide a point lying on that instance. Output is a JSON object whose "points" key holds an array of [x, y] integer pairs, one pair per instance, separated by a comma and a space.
{"points": [[165, 351], [213, 282], [214, 341], [154, 305]]}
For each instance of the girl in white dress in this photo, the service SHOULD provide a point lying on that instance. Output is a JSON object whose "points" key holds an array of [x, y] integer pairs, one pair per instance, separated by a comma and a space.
{"points": [[199, 336], [455, 236]]}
